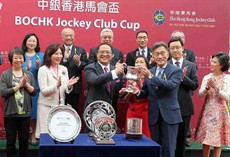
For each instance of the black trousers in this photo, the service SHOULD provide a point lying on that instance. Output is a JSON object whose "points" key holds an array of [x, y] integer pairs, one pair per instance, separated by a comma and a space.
{"points": [[72, 99], [182, 135], [14, 126]]}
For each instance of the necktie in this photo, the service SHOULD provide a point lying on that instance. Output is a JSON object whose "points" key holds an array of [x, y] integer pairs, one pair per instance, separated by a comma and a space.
{"points": [[143, 53], [108, 83], [177, 64], [160, 72], [67, 51]]}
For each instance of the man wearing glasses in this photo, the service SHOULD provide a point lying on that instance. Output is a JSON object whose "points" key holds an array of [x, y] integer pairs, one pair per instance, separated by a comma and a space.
{"points": [[189, 83], [161, 86], [103, 79], [106, 37], [142, 41], [187, 54]]}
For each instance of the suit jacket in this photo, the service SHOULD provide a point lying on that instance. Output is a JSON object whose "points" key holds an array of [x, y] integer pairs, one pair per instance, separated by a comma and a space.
{"points": [[97, 84], [117, 56], [76, 70], [8, 93], [190, 56], [190, 83], [47, 80], [130, 59], [162, 94]]}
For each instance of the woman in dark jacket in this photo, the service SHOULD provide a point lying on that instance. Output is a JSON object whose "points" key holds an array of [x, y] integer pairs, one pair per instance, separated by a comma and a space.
{"points": [[16, 87]]}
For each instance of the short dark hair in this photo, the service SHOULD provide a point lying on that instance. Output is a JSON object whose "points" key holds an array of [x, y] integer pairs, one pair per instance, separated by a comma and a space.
{"points": [[159, 44], [175, 39], [15, 50], [146, 60], [103, 44], [223, 59], [24, 47], [50, 50], [141, 31]]}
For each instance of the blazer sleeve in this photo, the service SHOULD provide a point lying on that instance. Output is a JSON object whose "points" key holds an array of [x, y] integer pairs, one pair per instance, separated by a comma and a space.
{"points": [[83, 59], [6, 88], [32, 82], [191, 79], [94, 79], [45, 88]]}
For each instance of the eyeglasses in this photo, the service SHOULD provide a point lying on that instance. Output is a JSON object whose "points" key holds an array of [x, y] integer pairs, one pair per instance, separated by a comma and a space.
{"points": [[162, 53], [105, 37], [176, 47], [104, 52], [142, 37]]}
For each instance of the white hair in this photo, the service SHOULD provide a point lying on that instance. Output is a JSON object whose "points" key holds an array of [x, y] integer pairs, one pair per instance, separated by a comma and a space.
{"points": [[106, 30]]}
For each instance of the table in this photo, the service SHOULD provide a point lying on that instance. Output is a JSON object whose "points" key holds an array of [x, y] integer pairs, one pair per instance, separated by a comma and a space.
{"points": [[84, 146]]}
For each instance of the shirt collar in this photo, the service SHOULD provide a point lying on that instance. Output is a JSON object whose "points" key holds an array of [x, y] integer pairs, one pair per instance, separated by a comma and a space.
{"points": [[180, 60], [102, 66]]}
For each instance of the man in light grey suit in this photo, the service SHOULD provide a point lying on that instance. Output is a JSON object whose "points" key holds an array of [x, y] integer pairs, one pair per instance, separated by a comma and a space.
{"points": [[161, 85], [189, 83], [103, 79]]}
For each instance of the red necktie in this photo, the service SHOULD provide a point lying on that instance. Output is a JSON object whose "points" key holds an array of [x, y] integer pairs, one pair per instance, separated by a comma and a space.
{"points": [[108, 83], [177, 64]]}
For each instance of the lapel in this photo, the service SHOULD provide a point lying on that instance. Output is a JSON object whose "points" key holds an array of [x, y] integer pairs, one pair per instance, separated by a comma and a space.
{"points": [[73, 52], [53, 73], [99, 68], [149, 54]]}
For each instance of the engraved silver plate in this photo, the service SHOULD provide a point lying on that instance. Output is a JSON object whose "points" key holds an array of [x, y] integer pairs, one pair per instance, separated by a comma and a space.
{"points": [[63, 123], [100, 118]]}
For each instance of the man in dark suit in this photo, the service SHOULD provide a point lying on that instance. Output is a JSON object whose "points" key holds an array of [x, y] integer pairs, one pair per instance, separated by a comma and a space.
{"points": [[190, 56], [106, 37], [103, 79], [142, 41], [161, 86], [187, 54], [189, 83], [75, 59]]}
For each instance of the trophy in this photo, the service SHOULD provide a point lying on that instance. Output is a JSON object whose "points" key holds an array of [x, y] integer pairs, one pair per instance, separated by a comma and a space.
{"points": [[99, 117], [131, 76], [63, 123], [134, 128]]}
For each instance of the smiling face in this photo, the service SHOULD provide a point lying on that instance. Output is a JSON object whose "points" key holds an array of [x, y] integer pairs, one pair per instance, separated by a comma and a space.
{"points": [[107, 37], [68, 36], [142, 40], [56, 57], [104, 54], [160, 56], [176, 50], [140, 62], [17, 60], [215, 65], [31, 43]]}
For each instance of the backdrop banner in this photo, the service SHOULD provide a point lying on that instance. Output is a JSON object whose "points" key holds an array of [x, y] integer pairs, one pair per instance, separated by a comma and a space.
{"points": [[205, 23]]}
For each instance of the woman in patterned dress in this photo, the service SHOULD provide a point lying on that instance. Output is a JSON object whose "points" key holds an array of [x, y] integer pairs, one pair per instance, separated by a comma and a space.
{"points": [[213, 128]]}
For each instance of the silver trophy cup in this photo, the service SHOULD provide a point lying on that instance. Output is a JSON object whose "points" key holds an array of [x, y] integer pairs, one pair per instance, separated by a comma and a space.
{"points": [[131, 76]]}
